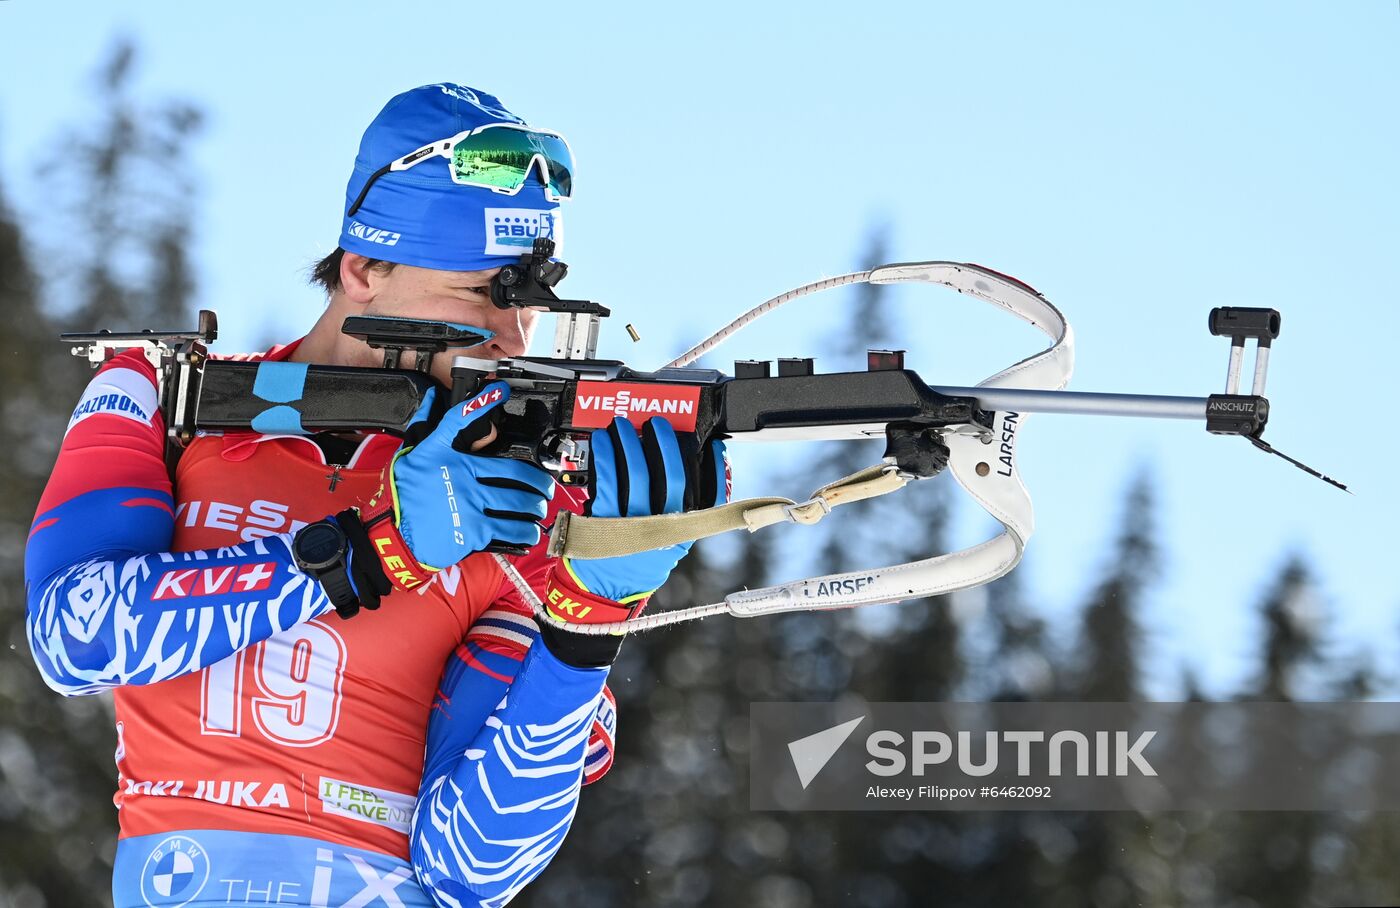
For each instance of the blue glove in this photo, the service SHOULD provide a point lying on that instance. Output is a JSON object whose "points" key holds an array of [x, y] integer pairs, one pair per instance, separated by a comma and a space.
{"points": [[447, 503], [638, 477]]}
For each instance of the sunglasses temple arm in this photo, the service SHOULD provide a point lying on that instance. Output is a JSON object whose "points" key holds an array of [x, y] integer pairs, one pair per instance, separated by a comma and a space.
{"points": [[360, 200], [434, 150]]}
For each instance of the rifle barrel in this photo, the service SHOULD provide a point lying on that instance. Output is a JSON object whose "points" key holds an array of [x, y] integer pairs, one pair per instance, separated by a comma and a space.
{"points": [[1088, 403]]}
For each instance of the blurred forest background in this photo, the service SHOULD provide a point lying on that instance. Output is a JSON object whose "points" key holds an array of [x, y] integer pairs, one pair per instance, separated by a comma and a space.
{"points": [[672, 826]]}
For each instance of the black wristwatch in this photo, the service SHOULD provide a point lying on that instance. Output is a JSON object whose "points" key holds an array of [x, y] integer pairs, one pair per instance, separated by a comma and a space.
{"points": [[320, 549]]}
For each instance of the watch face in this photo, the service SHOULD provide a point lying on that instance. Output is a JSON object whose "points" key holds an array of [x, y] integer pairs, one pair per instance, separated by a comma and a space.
{"points": [[318, 545]]}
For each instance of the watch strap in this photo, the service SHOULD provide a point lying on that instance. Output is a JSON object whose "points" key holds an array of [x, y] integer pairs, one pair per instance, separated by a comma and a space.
{"points": [[336, 582]]}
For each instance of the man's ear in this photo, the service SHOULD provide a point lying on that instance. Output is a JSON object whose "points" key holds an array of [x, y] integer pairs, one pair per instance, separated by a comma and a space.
{"points": [[359, 280]]}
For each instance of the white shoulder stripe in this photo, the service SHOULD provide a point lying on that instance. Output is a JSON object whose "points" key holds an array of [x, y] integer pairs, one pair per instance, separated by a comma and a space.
{"points": [[119, 392]]}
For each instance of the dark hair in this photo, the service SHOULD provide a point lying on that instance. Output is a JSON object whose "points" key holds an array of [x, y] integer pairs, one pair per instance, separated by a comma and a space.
{"points": [[326, 272]]}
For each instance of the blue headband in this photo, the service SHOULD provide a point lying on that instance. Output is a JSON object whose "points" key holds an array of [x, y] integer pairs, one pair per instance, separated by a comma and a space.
{"points": [[419, 216]]}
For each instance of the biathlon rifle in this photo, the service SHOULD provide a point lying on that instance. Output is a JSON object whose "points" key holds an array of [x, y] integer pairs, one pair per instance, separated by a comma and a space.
{"points": [[557, 401]]}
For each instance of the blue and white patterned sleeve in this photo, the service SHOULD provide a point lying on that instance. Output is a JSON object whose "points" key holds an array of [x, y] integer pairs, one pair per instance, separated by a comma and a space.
{"points": [[509, 741], [108, 604], [106, 622]]}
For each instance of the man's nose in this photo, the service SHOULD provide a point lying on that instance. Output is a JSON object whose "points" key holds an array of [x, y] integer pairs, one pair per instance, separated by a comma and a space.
{"points": [[510, 339]]}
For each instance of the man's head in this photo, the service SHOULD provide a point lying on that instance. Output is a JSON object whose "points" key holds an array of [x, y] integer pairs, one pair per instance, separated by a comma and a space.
{"points": [[417, 242]]}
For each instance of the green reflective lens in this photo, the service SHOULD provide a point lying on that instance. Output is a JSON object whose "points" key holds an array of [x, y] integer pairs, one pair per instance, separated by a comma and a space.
{"points": [[501, 158]]}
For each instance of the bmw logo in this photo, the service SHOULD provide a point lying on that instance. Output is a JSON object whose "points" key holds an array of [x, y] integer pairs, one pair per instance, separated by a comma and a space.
{"points": [[175, 872]]}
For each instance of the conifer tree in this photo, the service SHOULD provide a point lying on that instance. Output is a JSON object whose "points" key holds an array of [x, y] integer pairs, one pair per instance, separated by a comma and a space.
{"points": [[1292, 643], [1016, 660], [1110, 848], [57, 832], [1271, 856], [1111, 638], [1013, 662], [119, 199]]}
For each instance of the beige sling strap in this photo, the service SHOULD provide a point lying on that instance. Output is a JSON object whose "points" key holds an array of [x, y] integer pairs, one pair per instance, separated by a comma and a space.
{"points": [[605, 537]]}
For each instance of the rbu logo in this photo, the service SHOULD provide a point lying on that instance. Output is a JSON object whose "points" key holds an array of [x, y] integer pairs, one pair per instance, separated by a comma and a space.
{"points": [[519, 231], [373, 234], [509, 231]]}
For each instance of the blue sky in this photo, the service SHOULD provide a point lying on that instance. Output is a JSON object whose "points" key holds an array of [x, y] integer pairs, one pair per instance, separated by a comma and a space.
{"points": [[1137, 163]]}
